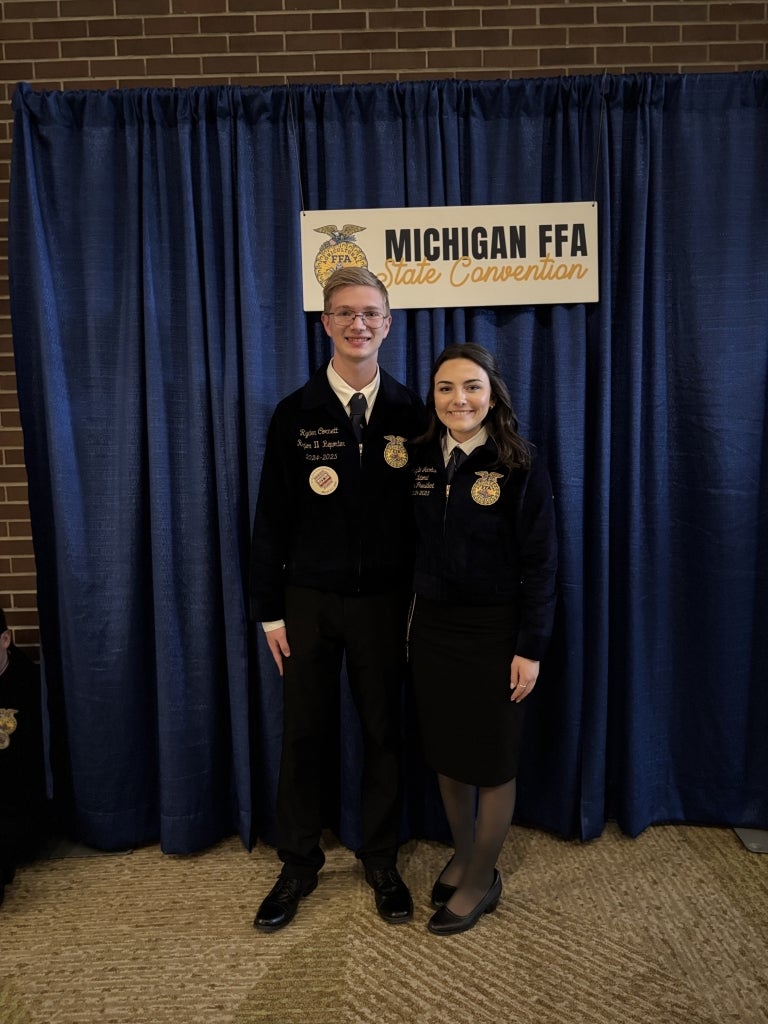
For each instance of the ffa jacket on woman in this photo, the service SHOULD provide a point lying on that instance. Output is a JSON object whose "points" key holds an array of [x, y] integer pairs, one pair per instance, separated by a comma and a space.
{"points": [[489, 539], [328, 516]]}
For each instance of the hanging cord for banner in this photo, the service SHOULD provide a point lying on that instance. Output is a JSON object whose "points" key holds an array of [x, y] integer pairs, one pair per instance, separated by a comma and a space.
{"points": [[292, 121], [599, 134]]}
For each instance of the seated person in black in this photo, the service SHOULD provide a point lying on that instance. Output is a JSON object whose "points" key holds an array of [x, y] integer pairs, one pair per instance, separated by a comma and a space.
{"points": [[23, 801]]}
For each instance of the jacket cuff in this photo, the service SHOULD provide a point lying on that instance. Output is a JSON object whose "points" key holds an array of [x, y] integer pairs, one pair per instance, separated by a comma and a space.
{"points": [[532, 647]]}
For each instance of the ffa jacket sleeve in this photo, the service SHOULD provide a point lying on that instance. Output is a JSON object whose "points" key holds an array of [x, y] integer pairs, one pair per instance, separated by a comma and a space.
{"points": [[271, 531], [538, 539]]}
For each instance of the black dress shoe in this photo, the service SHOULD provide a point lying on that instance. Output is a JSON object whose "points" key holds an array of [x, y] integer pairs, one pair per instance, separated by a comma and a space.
{"points": [[281, 903], [393, 901], [441, 891], [445, 922]]}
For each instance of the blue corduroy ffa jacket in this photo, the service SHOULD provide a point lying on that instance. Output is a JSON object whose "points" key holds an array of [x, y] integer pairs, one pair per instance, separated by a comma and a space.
{"points": [[490, 541], [327, 516]]}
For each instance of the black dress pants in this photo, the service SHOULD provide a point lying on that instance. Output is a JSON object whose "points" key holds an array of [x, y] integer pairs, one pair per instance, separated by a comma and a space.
{"points": [[322, 628]]}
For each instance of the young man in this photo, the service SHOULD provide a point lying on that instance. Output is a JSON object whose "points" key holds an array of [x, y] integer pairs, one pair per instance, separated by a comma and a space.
{"points": [[330, 578], [22, 761]]}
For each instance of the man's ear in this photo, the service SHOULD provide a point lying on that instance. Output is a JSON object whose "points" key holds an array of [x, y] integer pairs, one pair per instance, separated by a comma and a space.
{"points": [[6, 639], [326, 324]]}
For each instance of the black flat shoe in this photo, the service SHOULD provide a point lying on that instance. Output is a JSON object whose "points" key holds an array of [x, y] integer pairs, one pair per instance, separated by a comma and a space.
{"points": [[280, 905], [393, 901], [445, 922], [441, 891]]}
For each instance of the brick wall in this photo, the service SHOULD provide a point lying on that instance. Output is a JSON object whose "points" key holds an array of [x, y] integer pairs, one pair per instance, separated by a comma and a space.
{"points": [[80, 44]]}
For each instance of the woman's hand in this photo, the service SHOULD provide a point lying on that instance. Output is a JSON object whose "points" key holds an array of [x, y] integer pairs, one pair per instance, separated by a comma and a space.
{"points": [[523, 677]]}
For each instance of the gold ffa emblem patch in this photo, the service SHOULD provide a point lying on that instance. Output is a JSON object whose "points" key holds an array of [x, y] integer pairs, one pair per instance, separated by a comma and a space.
{"points": [[486, 491], [8, 725], [395, 454]]}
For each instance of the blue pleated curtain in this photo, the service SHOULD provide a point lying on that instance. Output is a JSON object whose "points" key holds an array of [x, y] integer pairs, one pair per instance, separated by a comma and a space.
{"points": [[157, 320]]}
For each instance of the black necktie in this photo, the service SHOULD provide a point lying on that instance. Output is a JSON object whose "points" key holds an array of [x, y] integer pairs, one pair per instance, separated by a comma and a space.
{"points": [[457, 457], [357, 407]]}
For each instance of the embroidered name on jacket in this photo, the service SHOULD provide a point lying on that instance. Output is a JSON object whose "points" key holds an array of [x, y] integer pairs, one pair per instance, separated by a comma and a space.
{"points": [[320, 444], [424, 480]]}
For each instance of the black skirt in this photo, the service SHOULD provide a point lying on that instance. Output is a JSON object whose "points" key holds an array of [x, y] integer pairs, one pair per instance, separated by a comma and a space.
{"points": [[460, 660]]}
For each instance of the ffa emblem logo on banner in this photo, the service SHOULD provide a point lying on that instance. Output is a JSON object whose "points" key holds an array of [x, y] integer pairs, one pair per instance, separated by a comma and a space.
{"points": [[340, 251], [8, 725]]}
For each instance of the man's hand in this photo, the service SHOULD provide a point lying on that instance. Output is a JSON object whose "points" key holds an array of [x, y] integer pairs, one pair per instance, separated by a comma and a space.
{"points": [[278, 645]]}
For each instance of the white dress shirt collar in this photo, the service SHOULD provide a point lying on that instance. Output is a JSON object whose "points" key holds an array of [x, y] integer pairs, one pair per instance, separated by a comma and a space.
{"points": [[449, 443], [344, 392]]}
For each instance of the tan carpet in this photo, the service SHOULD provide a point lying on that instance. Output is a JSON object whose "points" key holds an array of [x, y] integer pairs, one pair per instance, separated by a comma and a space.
{"points": [[668, 928]]}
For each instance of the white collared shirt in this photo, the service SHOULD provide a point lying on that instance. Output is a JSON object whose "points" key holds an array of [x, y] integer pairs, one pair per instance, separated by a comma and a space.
{"points": [[344, 392], [449, 443]]}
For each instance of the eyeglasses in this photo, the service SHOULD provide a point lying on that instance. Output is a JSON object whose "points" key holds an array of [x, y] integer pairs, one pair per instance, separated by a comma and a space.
{"points": [[345, 317]]}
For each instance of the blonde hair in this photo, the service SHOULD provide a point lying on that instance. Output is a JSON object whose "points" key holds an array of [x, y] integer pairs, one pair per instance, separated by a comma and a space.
{"points": [[346, 276]]}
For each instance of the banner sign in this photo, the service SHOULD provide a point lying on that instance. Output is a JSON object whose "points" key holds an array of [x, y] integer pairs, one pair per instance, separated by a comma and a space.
{"points": [[434, 256]]}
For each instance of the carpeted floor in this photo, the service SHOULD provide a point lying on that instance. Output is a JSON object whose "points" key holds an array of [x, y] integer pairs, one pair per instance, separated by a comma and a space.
{"points": [[668, 928]]}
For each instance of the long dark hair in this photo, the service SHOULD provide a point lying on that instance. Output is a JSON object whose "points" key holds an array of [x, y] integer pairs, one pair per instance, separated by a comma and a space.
{"points": [[501, 421]]}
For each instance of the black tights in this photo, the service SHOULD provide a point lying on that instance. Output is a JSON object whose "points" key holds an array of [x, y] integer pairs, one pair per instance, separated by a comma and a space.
{"points": [[479, 818]]}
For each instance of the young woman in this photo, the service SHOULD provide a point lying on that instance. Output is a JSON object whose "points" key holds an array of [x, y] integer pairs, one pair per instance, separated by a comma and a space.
{"points": [[482, 614]]}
